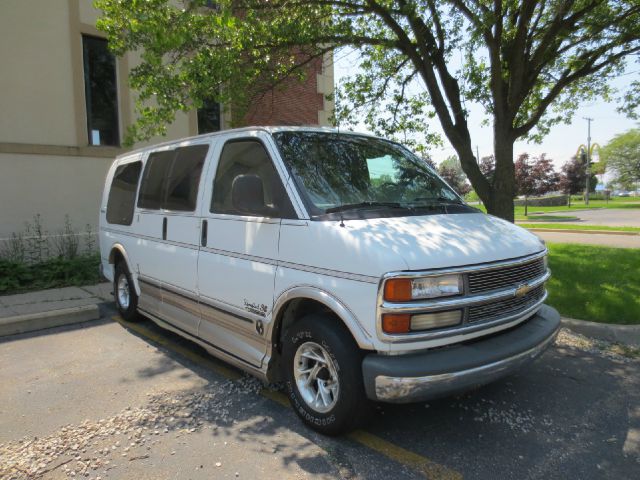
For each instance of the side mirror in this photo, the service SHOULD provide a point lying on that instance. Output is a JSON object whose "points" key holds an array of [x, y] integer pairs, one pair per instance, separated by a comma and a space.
{"points": [[247, 196]]}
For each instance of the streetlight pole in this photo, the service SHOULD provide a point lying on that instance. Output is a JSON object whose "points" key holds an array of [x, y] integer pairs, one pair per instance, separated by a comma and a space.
{"points": [[586, 195]]}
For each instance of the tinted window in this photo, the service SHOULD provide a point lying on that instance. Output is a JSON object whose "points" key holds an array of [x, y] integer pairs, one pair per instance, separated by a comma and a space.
{"points": [[184, 178], [249, 157], [209, 117], [153, 180], [100, 92], [123, 193]]}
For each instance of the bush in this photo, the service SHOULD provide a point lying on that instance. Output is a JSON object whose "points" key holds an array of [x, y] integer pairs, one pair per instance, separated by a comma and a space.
{"points": [[551, 201], [53, 273]]}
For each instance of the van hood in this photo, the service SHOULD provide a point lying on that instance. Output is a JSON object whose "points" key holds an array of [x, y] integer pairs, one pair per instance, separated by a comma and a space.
{"points": [[441, 241]]}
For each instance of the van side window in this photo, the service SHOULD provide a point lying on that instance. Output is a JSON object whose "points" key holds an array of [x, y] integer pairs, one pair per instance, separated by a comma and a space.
{"points": [[122, 194], [184, 178], [249, 158], [152, 186], [171, 178]]}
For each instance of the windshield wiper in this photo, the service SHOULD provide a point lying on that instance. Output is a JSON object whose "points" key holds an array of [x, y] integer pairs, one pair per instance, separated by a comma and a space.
{"points": [[439, 200], [363, 205]]}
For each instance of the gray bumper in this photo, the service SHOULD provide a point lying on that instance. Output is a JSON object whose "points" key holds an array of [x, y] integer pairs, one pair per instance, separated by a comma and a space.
{"points": [[437, 373]]}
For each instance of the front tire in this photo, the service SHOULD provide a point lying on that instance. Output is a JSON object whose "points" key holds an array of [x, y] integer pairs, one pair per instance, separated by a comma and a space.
{"points": [[125, 293], [323, 375]]}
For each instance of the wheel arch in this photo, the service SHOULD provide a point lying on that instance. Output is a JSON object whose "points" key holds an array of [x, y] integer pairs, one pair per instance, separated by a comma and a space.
{"points": [[118, 253], [297, 302]]}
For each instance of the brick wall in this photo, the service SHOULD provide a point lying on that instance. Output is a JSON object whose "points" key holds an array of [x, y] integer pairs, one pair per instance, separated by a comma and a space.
{"points": [[292, 103]]}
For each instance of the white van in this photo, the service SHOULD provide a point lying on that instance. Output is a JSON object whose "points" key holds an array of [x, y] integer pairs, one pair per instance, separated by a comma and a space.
{"points": [[338, 263]]}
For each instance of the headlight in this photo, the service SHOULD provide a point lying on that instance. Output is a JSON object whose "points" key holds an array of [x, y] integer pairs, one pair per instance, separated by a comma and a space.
{"points": [[407, 289]]}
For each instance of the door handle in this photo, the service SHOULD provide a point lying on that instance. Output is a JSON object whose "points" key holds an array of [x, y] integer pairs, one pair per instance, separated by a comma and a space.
{"points": [[164, 228], [203, 234]]}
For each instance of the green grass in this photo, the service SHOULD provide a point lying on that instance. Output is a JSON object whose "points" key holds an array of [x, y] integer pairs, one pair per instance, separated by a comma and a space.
{"points": [[542, 218], [625, 202], [573, 226], [599, 284]]}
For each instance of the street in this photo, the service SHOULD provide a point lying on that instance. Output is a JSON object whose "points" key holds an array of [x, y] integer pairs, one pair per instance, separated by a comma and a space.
{"points": [[103, 400], [614, 217]]}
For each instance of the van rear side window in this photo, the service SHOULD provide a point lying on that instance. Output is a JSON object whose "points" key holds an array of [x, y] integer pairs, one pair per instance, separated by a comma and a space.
{"points": [[155, 173], [171, 178], [122, 194]]}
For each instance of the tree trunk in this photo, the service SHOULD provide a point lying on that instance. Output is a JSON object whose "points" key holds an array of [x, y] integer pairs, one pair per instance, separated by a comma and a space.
{"points": [[526, 206], [503, 189]]}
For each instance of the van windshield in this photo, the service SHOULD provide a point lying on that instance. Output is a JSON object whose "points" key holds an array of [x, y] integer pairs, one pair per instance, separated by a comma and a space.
{"points": [[344, 174]]}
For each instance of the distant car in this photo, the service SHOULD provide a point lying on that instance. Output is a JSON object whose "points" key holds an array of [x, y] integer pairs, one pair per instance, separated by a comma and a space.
{"points": [[624, 194]]}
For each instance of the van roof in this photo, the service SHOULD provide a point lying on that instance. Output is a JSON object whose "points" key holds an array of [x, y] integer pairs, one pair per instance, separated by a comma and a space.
{"points": [[268, 129]]}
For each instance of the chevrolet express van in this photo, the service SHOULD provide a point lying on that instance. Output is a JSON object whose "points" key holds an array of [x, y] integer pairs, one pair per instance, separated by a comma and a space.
{"points": [[337, 263]]}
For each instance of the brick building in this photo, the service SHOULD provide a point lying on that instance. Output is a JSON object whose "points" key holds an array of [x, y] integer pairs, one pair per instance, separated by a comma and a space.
{"points": [[65, 103]]}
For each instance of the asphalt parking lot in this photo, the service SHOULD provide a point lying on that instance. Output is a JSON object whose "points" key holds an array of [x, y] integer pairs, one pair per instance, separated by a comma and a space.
{"points": [[105, 400]]}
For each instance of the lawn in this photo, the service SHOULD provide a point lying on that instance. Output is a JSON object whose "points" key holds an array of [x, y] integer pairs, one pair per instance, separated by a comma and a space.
{"points": [[624, 202], [547, 218], [599, 284], [579, 226]]}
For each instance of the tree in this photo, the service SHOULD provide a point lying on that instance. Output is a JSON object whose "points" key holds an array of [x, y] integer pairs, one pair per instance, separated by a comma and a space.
{"points": [[622, 156], [452, 173], [534, 177], [527, 63], [573, 176]]}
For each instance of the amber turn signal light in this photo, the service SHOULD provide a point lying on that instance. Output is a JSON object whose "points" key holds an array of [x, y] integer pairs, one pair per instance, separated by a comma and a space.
{"points": [[396, 323], [397, 290]]}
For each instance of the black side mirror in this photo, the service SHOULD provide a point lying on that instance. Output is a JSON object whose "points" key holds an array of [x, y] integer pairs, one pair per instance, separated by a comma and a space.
{"points": [[247, 196]]}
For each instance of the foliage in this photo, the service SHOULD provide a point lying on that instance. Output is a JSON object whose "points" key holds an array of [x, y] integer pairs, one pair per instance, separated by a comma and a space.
{"points": [[52, 273], [34, 260], [622, 156], [528, 64], [593, 283], [573, 177], [451, 171], [536, 176]]}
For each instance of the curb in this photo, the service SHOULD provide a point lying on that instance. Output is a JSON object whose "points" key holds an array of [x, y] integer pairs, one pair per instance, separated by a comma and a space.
{"points": [[585, 232], [53, 318], [629, 334]]}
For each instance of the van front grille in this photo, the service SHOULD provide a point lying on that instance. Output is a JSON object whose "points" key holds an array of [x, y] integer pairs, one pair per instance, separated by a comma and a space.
{"points": [[504, 308], [505, 277]]}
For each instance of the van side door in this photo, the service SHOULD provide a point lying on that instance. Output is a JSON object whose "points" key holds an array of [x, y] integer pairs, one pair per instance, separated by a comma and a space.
{"points": [[170, 234], [239, 249]]}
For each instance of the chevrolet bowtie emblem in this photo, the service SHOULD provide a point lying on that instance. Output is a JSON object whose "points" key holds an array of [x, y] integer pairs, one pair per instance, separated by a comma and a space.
{"points": [[522, 290]]}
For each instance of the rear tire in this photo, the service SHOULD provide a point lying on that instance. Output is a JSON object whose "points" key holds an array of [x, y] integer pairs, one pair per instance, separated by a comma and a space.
{"points": [[323, 375], [125, 293]]}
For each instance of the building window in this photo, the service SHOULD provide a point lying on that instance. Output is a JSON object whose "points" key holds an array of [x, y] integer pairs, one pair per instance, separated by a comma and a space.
{"points": [[100, 92], [209, 117]]}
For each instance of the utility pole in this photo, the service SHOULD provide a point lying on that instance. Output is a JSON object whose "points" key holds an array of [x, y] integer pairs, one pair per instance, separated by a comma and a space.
{"points": [[586, 195], [477, 155]]}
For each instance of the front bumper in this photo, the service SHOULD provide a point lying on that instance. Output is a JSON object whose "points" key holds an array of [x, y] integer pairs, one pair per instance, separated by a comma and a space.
{"points": [[423, 376]]}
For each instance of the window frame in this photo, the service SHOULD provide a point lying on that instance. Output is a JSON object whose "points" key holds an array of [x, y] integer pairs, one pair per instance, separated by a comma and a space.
{"points": [[131, 161], [274, 163], [87, 107], [201, 186]]}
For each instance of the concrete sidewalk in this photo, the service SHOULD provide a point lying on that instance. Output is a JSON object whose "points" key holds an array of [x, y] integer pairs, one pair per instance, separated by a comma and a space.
{"points": [[26, 312]]}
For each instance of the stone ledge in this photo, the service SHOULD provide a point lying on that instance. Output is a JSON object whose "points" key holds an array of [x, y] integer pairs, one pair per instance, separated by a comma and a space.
{"points": [[49, 319]]}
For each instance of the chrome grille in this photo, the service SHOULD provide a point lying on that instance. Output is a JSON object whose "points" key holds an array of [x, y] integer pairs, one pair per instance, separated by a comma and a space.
{"points": [[504, 277], [503, 308]]}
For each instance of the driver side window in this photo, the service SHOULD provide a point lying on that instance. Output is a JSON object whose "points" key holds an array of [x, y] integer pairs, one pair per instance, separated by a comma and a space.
{"points": [[247, 183]]}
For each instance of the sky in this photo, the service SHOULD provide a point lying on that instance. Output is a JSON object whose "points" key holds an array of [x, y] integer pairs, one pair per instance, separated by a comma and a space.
{"points": [[559, 145]]}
